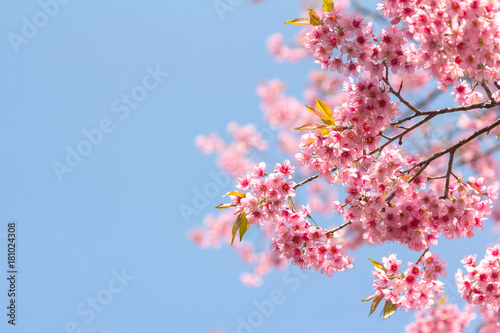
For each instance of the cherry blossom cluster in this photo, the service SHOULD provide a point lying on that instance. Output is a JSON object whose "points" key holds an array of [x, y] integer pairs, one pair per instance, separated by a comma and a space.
{"points": [[266, 193], [281, 111], [295, 238], [416, 288], [283, 52], [357, 125], [345, 44], [217, 231], [308, 246], [480, 285], [457, 37], [391, 195], [491, 321], [390, 207], [481, 163], [326, 87], [447, 318], [233, 157]]}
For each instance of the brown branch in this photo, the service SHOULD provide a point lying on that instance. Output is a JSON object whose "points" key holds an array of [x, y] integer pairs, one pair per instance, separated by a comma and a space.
{"points": [[434, 178], [418, 172], [398, 95], [448, 173], [400, 135], [422, 255], [488, 91], [338, 228], [307, 180], [459, 144], [485, 105]]}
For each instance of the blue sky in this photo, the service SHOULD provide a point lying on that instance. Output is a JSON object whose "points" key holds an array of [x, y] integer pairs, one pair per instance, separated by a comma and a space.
{"points": [[106, 228]]}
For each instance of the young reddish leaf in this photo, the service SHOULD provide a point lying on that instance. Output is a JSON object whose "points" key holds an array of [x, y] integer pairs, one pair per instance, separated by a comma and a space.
{"points": [[314, 18], [242, 218], [378, 265], [224, 206], [374, 305], [327, 5], [299, 21], [389, 309], [238, 194]]}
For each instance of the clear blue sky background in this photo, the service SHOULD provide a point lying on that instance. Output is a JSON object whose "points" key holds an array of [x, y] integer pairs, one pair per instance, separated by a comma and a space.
{"points": [[119, 208]]}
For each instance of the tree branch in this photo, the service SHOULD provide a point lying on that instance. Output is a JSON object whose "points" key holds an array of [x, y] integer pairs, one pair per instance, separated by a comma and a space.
{"points": [[307, 180], [338, 228], [459, 144], [448, 174], [484, 105], [422, 255]]}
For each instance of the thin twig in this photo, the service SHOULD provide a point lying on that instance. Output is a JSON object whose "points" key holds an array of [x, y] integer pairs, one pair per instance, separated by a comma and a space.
{"points": [[488, 91], [459, 144], [485, 105], [305, 181], [338, 228], [400, 135], [401, 99], [422, 255], [448, 173]]}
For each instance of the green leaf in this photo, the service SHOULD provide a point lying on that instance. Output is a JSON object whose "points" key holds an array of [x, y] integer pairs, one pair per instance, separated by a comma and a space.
{"points": [[374, 305], [299, 21], [224, 206], [389, 309], [242, 218], [238, 194], [378, 265], [327, 5]]}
